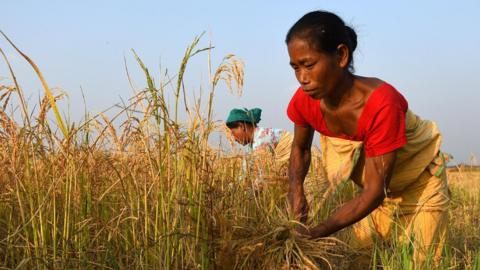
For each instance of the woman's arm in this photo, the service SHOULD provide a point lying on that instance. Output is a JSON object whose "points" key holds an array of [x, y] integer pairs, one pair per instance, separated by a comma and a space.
{"points": [[297, 170], [378, 172]]}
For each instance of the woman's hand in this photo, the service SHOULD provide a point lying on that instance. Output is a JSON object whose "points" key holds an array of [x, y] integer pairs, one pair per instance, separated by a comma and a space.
{"points": [[298, 202], [297, 170], [303, 231], [378, 172]]}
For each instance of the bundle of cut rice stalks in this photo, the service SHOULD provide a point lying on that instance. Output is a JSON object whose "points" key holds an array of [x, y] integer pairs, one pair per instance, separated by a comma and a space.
{"points": [[264, 237]]}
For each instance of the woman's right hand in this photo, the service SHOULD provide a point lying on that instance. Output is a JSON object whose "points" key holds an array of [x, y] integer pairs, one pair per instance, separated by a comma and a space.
{"points": [[299, 205], [297, 171]]}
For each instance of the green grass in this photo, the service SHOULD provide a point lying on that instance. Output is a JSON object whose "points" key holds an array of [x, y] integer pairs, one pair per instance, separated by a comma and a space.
{"points": [[149, 192]]}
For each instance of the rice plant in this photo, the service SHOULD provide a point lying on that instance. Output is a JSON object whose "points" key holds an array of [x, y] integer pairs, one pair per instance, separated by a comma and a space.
{"points": [[143, 188]]}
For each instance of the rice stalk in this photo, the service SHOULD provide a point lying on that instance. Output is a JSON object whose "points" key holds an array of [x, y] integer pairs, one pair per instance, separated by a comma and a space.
{"points": [[49, 94]]}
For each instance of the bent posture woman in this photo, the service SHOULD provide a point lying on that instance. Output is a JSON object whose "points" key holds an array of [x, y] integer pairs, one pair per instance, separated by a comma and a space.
{"points": [[368, 135], [243, 125]]}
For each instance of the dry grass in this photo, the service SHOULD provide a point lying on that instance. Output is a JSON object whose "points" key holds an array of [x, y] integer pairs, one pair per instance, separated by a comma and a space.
{"points": [[144, 190], [465, 179]]}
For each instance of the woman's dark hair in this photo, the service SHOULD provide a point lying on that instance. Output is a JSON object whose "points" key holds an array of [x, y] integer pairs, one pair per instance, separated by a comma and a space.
{"points": [[236, 124], [325, 31]]}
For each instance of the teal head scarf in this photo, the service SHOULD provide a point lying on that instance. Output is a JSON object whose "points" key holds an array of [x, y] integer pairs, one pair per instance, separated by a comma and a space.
{"points": [[244, 115]]}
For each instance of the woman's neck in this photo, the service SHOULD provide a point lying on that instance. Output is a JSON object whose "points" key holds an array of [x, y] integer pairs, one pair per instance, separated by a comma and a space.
{"points": [[341, 93], [251, 133]]}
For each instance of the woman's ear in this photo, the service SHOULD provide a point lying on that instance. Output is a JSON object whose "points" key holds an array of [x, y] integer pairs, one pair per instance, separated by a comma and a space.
{"points": [[244, 126], [343, 55]]}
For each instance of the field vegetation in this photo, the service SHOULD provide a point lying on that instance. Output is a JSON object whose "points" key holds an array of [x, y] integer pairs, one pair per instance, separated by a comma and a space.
{"points": [[145, 189]]}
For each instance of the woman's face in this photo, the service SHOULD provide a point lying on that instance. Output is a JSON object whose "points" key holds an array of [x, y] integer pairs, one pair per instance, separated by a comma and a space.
{"points": [[318, 73], [240, 134]]}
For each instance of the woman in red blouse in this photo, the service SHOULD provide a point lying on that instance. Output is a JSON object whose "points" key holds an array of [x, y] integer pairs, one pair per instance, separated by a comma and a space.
{"points": [[368, 135]]}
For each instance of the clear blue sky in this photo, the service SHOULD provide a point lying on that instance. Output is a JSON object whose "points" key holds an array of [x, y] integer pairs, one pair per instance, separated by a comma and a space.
{"points": [[429, 50]]}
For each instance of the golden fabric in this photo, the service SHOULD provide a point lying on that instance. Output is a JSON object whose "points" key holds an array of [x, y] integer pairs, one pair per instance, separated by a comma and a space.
{"points": [[417, 198]]}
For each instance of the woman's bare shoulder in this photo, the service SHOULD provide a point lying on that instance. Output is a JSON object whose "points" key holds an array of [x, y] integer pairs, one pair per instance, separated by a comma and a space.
{"points": [[369, 84]]}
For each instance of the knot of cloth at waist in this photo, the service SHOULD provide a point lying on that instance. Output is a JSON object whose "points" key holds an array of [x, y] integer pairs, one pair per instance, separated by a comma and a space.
{"points": [[418, 174]]}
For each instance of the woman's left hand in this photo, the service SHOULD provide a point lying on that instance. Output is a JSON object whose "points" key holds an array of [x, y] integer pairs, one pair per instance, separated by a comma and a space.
{"points": [[303, 231]]}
